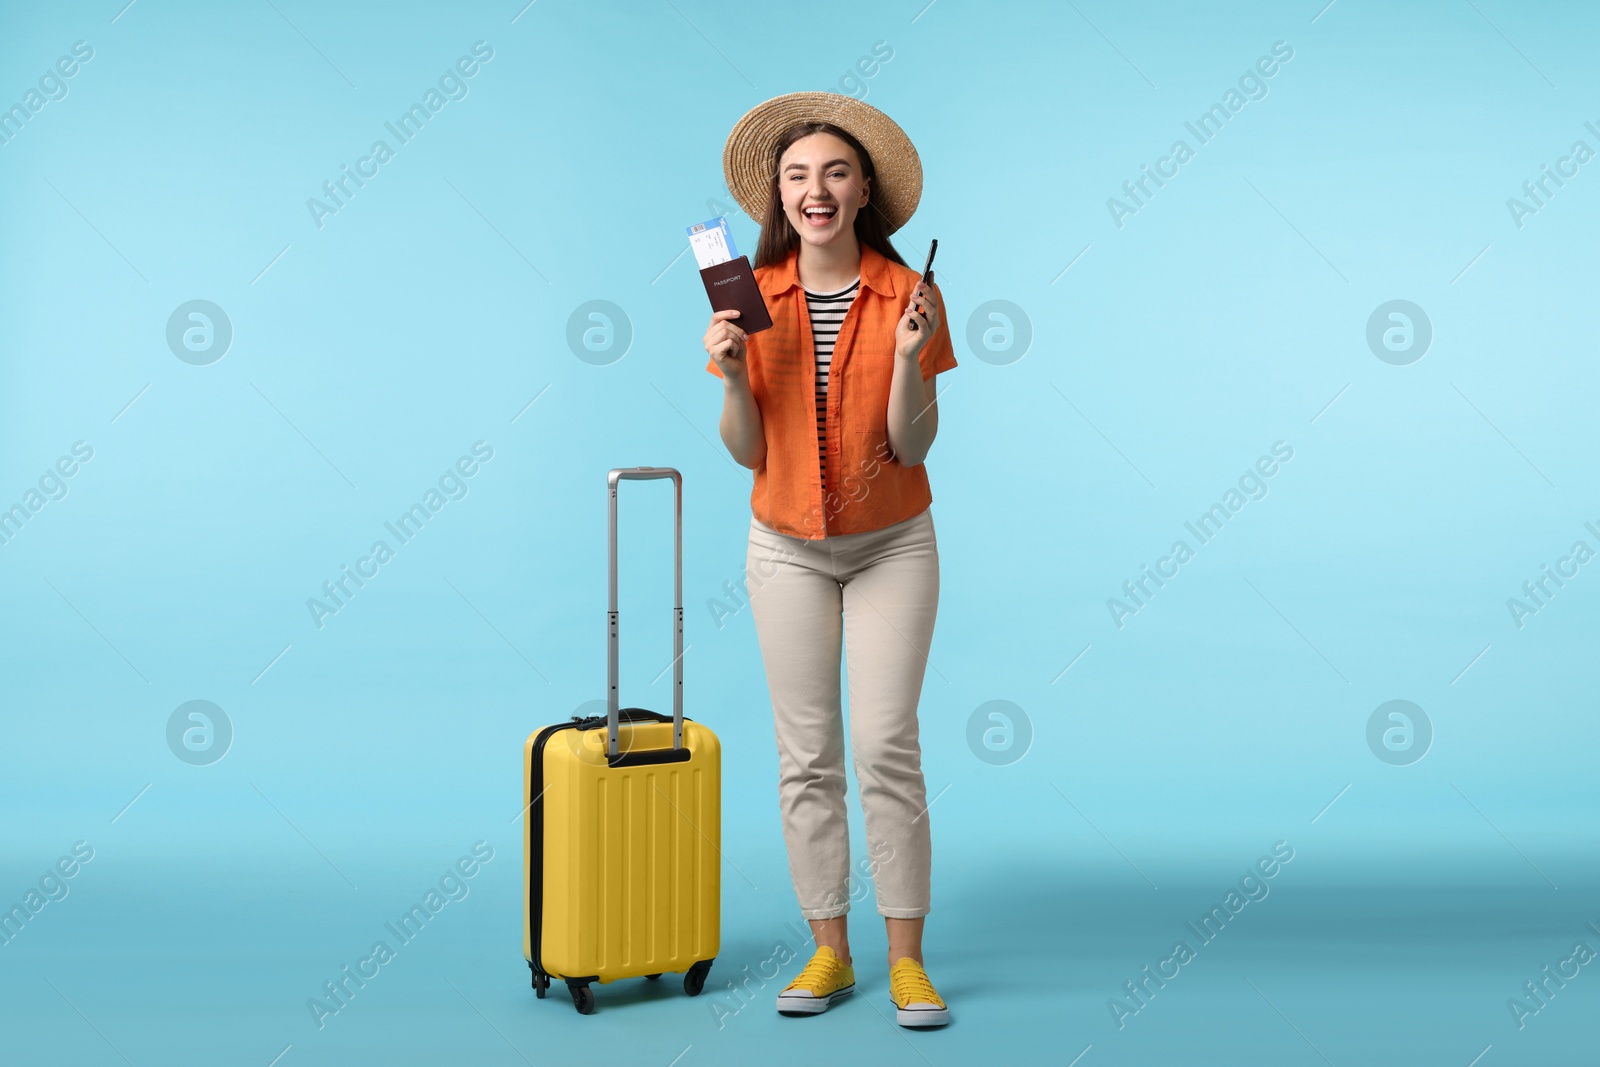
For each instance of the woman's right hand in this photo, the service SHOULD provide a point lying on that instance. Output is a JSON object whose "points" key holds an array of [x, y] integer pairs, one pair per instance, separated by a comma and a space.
{"points": [[725, 343]]}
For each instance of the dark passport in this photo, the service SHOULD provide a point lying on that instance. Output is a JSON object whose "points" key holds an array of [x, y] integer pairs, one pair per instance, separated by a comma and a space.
{"points": [[732, 286]]}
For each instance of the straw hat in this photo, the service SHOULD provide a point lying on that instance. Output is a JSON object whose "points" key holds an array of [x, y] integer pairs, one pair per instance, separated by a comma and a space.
{"points": [[748, 163]]}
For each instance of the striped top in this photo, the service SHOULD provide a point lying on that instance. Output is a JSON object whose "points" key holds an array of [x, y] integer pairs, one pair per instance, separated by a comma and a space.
{"points": [[827, 311]]}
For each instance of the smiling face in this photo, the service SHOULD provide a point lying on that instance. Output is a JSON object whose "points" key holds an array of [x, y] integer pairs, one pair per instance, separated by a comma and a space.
{"points": [[820, 181]]}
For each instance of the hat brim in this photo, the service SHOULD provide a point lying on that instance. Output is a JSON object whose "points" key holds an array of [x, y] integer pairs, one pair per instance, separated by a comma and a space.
{"points": [[748, 163]]}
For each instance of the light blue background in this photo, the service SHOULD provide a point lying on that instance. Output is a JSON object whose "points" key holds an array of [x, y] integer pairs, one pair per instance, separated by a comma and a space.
{"points": [[1229, 313]]}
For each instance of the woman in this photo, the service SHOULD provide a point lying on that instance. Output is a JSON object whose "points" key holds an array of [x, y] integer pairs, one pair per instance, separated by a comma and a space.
{"points": [[834, 409]]}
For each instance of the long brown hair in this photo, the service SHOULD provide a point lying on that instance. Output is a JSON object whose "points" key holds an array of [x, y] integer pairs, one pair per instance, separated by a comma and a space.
{"points": [[778, 236]]}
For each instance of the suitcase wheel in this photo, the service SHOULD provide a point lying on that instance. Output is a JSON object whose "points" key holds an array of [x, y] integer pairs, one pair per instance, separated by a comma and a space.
{"points": [[695, 980], [541, 982], [582, 997]]}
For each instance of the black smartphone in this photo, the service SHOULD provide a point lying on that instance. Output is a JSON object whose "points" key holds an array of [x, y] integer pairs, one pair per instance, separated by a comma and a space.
{"points": [[927, 273]]}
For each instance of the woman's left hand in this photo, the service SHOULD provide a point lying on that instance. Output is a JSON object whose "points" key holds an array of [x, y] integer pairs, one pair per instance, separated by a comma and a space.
{"points": [[908, 342]]}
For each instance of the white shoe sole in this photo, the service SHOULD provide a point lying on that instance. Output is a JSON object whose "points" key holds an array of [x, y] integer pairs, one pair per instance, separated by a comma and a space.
{"points": [[806, 1004], [914, 1017]]}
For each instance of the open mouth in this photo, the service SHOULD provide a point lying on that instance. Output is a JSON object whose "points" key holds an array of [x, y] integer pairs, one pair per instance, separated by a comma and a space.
{"points": [[818, 216]]}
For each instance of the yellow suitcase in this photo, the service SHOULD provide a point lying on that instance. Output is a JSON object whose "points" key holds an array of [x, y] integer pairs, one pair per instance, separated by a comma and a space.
{"points": [[622, 828]]}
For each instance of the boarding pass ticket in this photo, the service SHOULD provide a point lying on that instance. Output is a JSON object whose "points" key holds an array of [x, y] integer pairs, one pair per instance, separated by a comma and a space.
{"points": [[712, 242]]}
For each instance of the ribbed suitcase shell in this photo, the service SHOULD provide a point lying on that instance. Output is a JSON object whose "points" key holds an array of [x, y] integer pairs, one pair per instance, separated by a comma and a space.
{"points": [[631, 868]]}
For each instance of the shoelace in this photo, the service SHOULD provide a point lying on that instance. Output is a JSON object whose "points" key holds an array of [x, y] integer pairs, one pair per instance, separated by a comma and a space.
{"points": [[911, 986], [817, 974]]}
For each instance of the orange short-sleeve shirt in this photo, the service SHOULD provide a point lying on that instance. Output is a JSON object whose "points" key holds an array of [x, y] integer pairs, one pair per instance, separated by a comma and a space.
{"points": [[867, 487]]}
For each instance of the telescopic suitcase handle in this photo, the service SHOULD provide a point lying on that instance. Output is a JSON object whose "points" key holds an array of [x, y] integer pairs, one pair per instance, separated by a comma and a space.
{"points": [[612, 703]]}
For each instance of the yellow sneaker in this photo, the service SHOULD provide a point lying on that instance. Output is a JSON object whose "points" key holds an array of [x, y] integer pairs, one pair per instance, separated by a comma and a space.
{"points": [[820, 982], [915, 1001]]}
